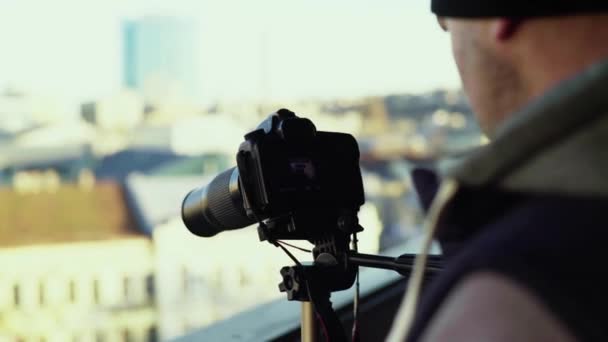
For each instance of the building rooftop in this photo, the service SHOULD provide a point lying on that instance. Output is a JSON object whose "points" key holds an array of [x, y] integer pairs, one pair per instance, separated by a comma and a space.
{"points": [[20, 157], [155, 199], [65, 214], [119, 165], [196, 166]]}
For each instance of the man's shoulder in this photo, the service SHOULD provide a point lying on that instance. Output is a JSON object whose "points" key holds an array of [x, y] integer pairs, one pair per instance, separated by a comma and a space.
{"points": [[487, 306], [531, 259]]}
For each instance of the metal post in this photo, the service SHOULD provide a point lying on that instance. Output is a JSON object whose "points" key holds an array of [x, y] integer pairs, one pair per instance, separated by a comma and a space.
{"points": [[309, 323]]}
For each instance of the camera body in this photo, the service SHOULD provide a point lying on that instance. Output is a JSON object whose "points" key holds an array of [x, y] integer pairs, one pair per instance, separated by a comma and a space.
{"points": [[307, 182], [298, 184]]}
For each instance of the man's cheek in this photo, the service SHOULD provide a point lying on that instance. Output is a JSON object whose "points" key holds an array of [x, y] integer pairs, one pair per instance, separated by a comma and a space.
{"points": [[459, 58]]}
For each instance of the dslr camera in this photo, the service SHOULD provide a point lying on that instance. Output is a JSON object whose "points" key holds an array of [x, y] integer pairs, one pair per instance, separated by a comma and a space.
{"points": [[296, 182]]}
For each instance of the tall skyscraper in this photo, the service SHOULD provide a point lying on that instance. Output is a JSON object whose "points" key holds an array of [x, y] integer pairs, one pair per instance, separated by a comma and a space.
{"points": [[160, 55]]}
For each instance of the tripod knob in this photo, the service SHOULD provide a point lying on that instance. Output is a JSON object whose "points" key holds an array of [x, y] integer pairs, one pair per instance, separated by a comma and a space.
{"points": [[293, 284]]}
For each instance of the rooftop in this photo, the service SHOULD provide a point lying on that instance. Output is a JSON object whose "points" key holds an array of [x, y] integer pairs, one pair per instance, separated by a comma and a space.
{"points": [[119, 165], [155, 199], [66, 214]]}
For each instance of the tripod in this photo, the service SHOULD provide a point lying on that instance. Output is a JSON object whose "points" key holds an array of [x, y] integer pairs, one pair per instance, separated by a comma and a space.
{"points": [[335, 268], [312, 284]]}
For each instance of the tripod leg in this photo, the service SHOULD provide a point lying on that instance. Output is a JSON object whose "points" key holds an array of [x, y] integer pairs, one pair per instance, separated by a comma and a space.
{"points": [[309, 323]]}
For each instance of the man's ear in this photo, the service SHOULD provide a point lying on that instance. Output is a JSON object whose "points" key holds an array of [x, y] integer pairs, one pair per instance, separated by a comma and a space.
{"points": [[506, 28]]}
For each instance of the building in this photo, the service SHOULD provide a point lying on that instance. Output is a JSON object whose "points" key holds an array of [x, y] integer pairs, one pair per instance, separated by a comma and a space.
{"points": [[120, 112], [117, 166], [67, 162], [160, 56], [205, 134], [74, 267], [61, 134], [21, 110]]}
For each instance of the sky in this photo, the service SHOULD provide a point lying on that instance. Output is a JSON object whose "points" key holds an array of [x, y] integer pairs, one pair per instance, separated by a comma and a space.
{"points": [[270, 49]]}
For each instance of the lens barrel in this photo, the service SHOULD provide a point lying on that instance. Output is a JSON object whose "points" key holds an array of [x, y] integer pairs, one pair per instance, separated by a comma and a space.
{"points": [[216, 207]]}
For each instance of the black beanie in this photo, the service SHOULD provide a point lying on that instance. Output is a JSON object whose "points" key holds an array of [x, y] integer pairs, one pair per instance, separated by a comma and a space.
{"points": [[516, 8]]}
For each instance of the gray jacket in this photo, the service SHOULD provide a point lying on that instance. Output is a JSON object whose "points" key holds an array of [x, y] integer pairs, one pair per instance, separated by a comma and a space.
{"points": [[533, 205]]}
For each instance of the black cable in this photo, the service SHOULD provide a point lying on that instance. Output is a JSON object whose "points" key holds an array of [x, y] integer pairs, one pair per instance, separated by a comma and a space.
{"points": [[355, 332], [294, 246], [291, 256]]}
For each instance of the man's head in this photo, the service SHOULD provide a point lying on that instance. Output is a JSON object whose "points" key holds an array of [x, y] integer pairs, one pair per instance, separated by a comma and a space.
{"points": [[506, 61]]}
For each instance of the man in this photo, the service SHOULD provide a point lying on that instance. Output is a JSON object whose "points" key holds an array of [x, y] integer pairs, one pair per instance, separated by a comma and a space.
{"points": [[524, 228]]}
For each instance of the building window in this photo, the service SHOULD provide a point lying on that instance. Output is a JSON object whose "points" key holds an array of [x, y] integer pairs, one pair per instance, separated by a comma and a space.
{"points": [[152, 334], [185, 279], [16, 295], [72, 291], [244, 279], [41, 293], [218, 279], [96, 291], [150, 287], [126, 288], [127, 336], [100, 336]]}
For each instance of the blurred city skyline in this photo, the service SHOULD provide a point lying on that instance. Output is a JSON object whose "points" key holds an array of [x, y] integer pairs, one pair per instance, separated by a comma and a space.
{"points": [[263, 50], [111, 111]]}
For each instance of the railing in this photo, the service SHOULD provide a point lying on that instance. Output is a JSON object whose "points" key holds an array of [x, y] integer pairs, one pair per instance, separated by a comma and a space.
{"points": [[381, 294]]}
